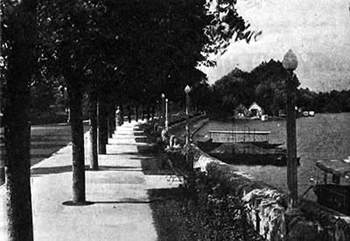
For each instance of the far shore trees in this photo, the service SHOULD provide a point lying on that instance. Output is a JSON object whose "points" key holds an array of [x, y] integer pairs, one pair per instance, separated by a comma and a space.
{"points": [[266, 85]]}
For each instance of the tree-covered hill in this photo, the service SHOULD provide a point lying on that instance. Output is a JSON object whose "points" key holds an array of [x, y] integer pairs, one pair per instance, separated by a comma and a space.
{"points": [[266, 85]]}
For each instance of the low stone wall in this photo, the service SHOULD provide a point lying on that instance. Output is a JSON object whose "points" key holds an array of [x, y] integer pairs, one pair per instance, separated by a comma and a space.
{"points": [[267, 205], [179, 127]]}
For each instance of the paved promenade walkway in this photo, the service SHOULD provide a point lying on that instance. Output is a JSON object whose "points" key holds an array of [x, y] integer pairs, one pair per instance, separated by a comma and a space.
{"points": [[120, 208]]}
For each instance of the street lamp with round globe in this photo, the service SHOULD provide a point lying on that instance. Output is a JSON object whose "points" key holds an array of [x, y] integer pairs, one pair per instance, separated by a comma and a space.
{"points": [[187, 89], [163, 110], [290, 63], [188, 132]]}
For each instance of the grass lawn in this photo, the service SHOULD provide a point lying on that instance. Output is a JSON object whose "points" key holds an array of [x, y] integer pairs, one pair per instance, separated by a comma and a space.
{"points": [[203, 212], [47, 139], [179, 215]]}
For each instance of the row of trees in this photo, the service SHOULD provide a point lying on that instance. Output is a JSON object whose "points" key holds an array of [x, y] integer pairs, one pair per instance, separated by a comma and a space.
{"points": [[266, 85], [115, 52]]}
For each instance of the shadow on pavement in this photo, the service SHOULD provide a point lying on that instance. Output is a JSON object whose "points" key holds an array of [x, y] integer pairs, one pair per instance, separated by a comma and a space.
{"points": [[48, 145], [50, 170], [116, 168], [54, 139], [61, 169], [37, 171], [135, 154], [124, 201]]}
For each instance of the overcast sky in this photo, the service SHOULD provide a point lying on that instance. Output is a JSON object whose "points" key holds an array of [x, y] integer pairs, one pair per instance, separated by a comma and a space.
{"points": [[318, 31]]}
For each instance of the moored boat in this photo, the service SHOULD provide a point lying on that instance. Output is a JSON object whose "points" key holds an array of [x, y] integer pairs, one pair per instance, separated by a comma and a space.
{"points": [[244, 147], [334, 193]]}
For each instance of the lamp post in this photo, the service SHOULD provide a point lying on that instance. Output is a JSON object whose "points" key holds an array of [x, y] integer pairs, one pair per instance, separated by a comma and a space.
{"points": [[290, 63], [166, 115], [163, 110], [188, 133]]}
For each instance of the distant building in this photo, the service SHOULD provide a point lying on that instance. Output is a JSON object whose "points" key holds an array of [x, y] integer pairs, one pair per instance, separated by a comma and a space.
{"points": [[256, 110]]}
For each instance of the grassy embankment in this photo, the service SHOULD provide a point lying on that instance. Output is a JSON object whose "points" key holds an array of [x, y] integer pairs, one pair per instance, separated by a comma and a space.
{"points": [[203, 211]]}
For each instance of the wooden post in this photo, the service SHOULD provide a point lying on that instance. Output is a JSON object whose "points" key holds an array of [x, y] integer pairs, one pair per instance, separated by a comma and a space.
{"points": [[292, 165]]}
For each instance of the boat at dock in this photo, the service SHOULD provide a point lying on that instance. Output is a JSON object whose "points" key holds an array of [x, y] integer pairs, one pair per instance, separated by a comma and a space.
{"points": [[248, 147], [334, 193]]}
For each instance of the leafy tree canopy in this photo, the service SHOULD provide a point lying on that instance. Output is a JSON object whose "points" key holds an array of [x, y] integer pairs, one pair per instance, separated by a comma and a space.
{"points": [[141, 46]]}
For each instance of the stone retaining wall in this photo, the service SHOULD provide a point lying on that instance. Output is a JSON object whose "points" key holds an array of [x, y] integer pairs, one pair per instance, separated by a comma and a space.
{"points": [[267, 205]]}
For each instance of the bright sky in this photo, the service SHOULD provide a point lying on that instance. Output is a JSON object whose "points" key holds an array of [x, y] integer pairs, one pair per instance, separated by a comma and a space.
{"points": [[318, 31]]}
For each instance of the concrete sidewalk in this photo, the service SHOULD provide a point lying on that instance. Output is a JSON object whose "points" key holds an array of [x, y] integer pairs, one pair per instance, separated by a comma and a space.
{"points": [[121, 205]]}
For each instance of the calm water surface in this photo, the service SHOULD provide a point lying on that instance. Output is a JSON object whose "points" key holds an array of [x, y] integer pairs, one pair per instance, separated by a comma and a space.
{"points": [[325, 136]]}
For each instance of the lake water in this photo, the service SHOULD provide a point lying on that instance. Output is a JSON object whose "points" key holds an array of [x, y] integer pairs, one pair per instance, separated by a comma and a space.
{"points": [[325, 136]]}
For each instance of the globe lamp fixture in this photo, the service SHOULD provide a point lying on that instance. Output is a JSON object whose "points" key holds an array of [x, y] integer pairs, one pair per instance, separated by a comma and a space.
{"points": [[290, 61], [187, 89]]}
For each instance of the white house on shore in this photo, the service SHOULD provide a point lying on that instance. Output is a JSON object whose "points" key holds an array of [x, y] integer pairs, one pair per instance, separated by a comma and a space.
{"points": [[256, 110]]}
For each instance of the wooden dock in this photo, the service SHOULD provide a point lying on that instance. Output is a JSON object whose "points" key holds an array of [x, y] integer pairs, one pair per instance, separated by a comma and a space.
{"points": [[238, 136]]}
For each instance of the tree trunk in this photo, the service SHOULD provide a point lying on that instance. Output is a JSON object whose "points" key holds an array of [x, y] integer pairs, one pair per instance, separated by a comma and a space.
{"points": [[93, 130], [16, 121], [106, 133], [112, 122], [148, 112], [121, 115], [109, 127], [154, 112], [114, 116], [102, 127], [129, 114], [2, 142], [76, 120], [137, 113], [143, 113]]}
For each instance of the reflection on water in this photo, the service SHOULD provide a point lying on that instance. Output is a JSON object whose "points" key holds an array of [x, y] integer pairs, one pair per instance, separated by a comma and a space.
{"points": [[325, 136]]}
